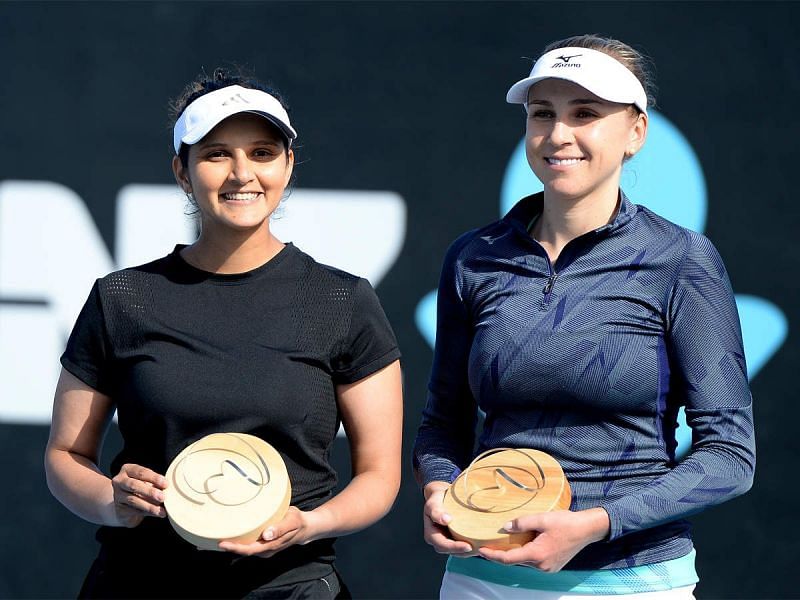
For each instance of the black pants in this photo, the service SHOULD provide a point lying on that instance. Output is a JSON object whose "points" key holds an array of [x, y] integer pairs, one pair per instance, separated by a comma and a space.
{"points": [[211, 575]]}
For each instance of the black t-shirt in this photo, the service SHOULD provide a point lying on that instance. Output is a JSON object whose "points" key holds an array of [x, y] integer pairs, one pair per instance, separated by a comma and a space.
{"points": [[184, 353]]}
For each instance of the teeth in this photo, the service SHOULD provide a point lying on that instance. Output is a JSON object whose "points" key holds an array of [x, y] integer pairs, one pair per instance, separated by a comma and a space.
{"points": [[564, 161], [241, 196]]}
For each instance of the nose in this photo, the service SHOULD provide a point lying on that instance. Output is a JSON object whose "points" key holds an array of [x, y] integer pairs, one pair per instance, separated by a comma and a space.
{"points": [[560, 133], [241, 169]]}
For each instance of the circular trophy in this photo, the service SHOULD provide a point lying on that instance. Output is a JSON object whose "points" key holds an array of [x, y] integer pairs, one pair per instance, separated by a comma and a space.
{"points": [[501, 485], [226, 486]]}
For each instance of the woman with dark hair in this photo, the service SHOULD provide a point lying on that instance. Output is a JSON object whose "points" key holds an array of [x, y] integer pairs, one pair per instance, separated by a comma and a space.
{"points": [[579, 324], [237, 332]]}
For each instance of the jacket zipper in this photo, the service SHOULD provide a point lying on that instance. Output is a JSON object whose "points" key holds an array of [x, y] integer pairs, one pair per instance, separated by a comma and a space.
{"points": [[548, 287]]}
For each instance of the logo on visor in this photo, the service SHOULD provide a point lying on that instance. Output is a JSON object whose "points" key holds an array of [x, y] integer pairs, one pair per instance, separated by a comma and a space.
{"points": [[236, 99], [566, 63]]}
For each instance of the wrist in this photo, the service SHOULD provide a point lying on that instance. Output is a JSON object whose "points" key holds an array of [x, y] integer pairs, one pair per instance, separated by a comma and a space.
{"points": [[108, 509], [317, 524], [433, 487], [600, 524]]}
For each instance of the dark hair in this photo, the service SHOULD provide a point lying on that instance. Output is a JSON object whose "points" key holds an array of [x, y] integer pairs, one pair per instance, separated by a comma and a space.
{"points": [[637, 63], [204, 84], [219, 78]]}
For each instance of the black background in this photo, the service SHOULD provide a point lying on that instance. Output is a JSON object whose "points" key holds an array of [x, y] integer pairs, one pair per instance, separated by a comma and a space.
{"points": [[409, 97]]}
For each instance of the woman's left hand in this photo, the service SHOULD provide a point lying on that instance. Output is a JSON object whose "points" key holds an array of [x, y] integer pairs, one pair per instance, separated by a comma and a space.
{"points": [[293, 529], [560, 535]]}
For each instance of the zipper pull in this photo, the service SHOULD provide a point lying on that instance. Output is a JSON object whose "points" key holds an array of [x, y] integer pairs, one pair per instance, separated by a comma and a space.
{"points": [[550, 283]]}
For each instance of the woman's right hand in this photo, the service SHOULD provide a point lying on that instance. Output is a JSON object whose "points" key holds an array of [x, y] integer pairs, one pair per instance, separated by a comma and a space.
{"points": [[138, 493], [435, 520]]}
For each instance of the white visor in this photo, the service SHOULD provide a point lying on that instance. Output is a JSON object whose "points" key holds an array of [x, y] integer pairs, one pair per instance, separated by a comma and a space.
{"points": [[596, 71], [205, 113]]}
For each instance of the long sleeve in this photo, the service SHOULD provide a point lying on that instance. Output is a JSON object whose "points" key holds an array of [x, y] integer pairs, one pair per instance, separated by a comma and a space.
{"points": [[446, 435], [704, 348]]}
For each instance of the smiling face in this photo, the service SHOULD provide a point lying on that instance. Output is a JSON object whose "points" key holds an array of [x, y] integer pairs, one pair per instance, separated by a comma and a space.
{"points": [[576, 142], [237, 174]]}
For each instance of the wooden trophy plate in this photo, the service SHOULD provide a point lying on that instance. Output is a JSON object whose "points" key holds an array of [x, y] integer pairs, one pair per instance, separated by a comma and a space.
{"points": [[226, 486], [501, 485]]}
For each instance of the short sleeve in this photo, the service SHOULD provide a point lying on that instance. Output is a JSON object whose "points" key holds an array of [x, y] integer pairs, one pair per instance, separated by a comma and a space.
{"points": [[369, 344], [87, 352]]}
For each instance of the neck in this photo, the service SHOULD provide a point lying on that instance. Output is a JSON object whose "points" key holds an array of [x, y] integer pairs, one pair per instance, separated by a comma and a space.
{"points": [[564, 219], [233, 252]]}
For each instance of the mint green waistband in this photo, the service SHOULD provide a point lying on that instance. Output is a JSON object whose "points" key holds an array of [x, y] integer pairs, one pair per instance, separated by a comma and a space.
{"points": [[628, 580]]}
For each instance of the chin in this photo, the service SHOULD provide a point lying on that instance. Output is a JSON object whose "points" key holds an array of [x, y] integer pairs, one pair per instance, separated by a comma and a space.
{"points": [[242, 224], [557, 188]]}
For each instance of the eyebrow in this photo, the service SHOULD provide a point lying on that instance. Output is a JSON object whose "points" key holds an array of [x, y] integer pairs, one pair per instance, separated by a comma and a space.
{"points": [[572, 102], [264, 142]]}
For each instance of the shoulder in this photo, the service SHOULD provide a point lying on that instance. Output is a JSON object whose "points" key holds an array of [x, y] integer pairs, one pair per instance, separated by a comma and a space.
{"points": [[327, 286], [321, 273], [655, 224], [476, 241], [694, 264], [688, 245], [132, 279]]}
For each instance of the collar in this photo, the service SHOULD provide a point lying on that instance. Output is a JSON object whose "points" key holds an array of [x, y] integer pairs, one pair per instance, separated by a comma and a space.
{"points": [[531, 207]]}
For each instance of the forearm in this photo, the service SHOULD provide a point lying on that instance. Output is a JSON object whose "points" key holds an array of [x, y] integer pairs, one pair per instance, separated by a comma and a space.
{"points": [[445, 437], [79, 485], [372, 413], [364, 501], [711, 474]]}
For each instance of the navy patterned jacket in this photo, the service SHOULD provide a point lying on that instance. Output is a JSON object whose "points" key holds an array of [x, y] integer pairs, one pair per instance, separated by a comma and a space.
{"points": [[589, 360]]}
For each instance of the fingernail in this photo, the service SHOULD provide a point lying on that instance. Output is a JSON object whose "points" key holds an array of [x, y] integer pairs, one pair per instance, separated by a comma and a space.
{"points": [[446, 518], [509, 526], [269, 534]]}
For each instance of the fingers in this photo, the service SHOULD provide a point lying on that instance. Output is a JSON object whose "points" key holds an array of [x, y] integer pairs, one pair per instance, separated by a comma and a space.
{"points": [[289, 525], [258, 547], [434, 509], [143, 506], [510, 557], [278, 536], [262, 547], [144, 474], [532, 522], [139, 489], [558, 537], [443, 543], [435, 530], [526, 554]]}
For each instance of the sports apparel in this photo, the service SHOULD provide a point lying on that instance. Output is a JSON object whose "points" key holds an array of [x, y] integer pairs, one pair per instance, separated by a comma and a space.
{"points": [[209, 110], [462, 587], [589, 360], [184, 353], [495, 580], [598, 72]]}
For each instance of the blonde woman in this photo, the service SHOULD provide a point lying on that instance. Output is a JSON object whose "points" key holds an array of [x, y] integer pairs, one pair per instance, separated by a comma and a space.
{"points": [[580, 323]]}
